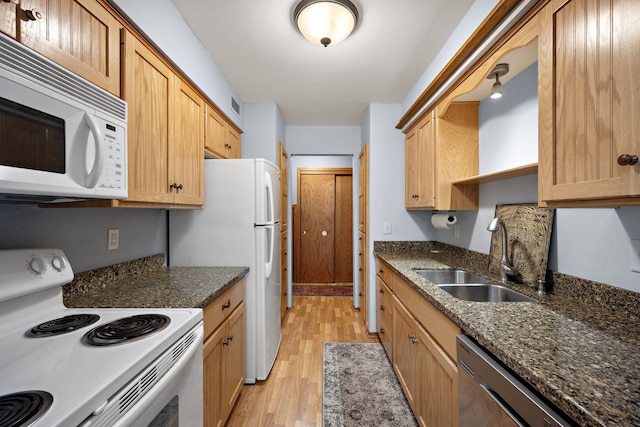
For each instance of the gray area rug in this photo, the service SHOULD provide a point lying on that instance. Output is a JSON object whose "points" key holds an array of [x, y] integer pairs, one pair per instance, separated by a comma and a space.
{"points": [[359, 388]]}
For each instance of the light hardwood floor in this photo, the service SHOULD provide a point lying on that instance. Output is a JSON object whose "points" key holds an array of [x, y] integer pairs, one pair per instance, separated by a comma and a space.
{"points": [[292, 395]]}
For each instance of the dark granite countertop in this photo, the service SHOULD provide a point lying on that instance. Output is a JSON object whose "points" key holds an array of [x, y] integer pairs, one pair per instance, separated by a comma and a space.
{"points": [[156, 287], [584, 358]]}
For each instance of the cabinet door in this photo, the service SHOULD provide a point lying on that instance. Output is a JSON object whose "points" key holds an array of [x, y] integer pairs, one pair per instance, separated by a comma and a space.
{"points": [[8, 13], [588, 108], [215, 142], [404, 352], [212, 378], [363, 178], [420, 165], [233, 359], [147, 85], [384, 316], [233, 142], [437, 395], [80, 35], [362, 275], [283, 274], [186, 150]]}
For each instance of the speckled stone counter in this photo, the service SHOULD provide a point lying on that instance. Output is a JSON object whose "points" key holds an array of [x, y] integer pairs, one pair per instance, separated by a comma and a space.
{"points": [[128, 285], [582, 355]]}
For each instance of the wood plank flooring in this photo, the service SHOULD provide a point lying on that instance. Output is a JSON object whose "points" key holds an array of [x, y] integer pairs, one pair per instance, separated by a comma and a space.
{"points": [[292, 394]]}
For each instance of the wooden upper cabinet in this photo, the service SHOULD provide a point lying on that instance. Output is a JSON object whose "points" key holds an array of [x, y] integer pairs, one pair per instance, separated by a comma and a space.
{"points": [[420, 157], [186, 148], [8, 14], [233, 140], [363, 181], [221, 139], [589, 59], [80, 35], [147, 83], [441, 148], [215, 133], [165, 131]]}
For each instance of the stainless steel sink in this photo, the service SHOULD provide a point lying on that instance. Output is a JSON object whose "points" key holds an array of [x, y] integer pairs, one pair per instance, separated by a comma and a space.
{"points": [[471, 287], [485, 293], [451, 276]]}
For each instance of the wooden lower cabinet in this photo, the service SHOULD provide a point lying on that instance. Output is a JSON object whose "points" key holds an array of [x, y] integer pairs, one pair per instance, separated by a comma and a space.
{"points": [[384, 315], [224, 355], [420, 342], [427, 375]]}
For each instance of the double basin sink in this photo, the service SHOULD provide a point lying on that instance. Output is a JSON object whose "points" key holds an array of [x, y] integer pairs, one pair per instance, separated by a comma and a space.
{"points": [[471, 287]]}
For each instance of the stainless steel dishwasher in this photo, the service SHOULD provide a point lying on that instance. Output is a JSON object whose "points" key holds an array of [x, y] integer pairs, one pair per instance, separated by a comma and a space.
{"points": [[490, 395]]}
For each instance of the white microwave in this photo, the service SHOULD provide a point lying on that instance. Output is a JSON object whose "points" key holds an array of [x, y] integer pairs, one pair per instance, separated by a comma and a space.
{"points": [[61, 137]]}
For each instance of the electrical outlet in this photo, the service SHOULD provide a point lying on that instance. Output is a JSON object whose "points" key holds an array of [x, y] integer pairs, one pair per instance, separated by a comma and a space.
{"points": [[456, 231], [113, 239], [387, 227], [635, 256]]}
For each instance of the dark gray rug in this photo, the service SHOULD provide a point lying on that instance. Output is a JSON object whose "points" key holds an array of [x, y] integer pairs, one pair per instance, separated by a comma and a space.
{"points": [[359, 388]]}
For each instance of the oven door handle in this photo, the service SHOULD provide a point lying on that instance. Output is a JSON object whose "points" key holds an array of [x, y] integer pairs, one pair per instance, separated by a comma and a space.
{"points": [[145, 401]]}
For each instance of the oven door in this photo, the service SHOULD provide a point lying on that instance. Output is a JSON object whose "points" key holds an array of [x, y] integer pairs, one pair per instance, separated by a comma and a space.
{"points": [[173, 398]]}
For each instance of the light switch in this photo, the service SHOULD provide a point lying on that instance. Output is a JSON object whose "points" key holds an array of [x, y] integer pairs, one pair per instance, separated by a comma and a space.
{"points": [[387, 227]]}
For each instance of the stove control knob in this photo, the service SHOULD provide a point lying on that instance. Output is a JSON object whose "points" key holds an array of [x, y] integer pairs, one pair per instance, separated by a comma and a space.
{"points": [[36, 265], [58, 263]]}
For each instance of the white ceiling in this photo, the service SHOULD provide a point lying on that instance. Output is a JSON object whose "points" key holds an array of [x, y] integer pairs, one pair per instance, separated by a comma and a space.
{"points": [[266, 60]]}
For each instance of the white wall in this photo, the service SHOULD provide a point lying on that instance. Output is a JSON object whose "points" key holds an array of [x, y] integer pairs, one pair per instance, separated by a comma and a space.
{"points": [[471, 20], [296, 162], [259, 139], [593, 244], [386, 188], [162, 23], [82, 233]]}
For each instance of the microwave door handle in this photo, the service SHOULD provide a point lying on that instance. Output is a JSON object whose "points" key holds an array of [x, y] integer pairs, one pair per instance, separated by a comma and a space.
{"points": [[92, 178]]}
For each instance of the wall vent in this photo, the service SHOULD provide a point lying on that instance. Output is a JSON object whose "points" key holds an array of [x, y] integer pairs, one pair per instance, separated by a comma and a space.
{"points": [[235, 105]]}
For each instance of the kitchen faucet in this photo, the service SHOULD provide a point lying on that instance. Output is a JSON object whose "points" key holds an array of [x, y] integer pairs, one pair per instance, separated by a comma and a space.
{"points": [[506, 267]]}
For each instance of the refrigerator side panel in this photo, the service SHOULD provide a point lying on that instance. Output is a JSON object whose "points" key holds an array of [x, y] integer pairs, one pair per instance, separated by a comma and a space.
{"points": [[222, 234], [268, 297]]}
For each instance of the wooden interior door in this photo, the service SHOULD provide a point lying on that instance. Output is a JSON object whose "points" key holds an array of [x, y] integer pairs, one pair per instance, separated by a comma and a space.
{"points": [[323, 226], [317, 228], [343, 253]]}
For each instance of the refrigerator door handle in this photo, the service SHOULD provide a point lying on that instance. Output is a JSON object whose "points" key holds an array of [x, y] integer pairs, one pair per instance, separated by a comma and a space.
{"points": [[269, 187], [270, 230]]}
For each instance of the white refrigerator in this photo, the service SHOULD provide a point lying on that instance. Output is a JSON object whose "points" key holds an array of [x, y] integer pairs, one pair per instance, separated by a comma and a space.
{"points": [[239, 226]]}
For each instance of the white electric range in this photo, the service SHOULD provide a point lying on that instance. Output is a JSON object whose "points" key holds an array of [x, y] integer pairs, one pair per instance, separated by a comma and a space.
{"points": [[144, 368]]}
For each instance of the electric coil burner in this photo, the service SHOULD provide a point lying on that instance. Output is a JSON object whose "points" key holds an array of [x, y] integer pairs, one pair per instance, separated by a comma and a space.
{"points": [[63, 325], [24, 408], [51, 377], [126, 330]]}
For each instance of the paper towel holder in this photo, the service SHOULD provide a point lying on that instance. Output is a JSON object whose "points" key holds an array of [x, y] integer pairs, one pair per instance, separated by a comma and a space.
{"points": [[451, 214]]}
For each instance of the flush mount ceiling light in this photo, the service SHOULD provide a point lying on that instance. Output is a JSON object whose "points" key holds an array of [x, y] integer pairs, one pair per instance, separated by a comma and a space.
{"points": [[325, 22], [498, 71]]}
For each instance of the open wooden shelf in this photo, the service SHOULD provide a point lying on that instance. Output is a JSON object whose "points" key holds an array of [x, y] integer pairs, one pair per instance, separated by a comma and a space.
{"points": [[519, 171]]}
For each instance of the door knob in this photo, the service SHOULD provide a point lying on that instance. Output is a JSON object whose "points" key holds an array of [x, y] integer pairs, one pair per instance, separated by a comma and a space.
{"points": [[304, 232], [324, 233], [627, 159]]}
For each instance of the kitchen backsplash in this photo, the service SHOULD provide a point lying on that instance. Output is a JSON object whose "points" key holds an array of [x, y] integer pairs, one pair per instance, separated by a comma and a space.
{"points": [[586, 291], [528, 236], [102, 277]]}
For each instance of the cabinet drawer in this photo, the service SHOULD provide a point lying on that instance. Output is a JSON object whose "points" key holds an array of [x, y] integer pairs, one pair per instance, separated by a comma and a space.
{"points": [[437, 324], [215, 313], [386, 338], [384, 271], [384, 306]]}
